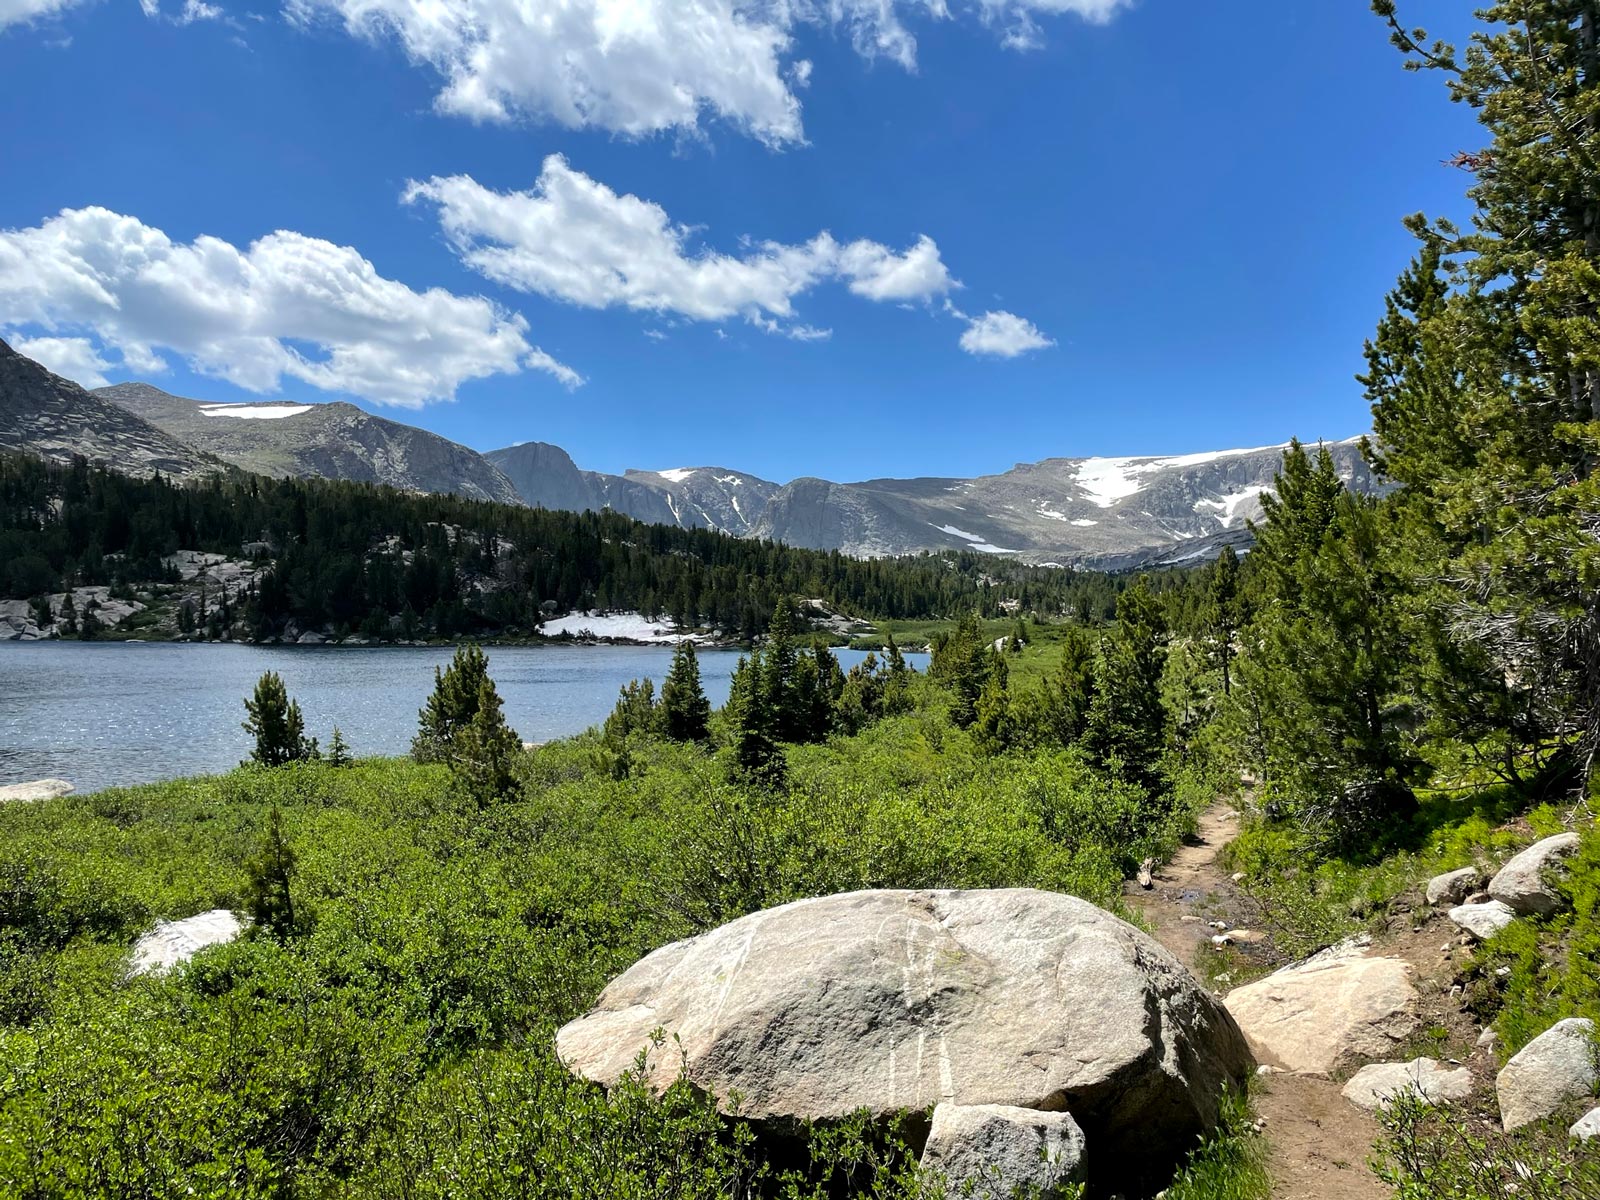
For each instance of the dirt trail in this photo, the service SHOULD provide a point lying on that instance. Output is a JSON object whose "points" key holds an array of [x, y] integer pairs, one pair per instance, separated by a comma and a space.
{"points": [[1319, 1142]]}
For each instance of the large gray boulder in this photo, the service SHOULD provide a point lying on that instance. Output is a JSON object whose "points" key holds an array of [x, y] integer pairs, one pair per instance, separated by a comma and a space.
{"points": [[991, 1151], [1484, 920], [895, 1000], [1453, 887], [38, 789], [1329, 1013], [1378, 1083], [1557, 1066], [1525, 884], [174, 942]]}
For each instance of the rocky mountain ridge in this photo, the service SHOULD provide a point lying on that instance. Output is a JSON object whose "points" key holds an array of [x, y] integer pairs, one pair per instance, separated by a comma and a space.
{"points": [[1112, 513]]}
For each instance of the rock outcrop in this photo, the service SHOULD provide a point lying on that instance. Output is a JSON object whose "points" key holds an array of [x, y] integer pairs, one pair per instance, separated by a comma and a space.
{"points": [[1525, 884], [1453, 887], [993, 1152], [174, 942], [38, 789], [1484, 920], [1557, 1066], [893, 1000], [1328, 1014], [1378, 1083]]}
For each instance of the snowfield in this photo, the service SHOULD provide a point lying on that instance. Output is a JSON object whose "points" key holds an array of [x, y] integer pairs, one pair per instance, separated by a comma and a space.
{"points": [[677, 474], [255, 412], [626, 626], [976, 539]]}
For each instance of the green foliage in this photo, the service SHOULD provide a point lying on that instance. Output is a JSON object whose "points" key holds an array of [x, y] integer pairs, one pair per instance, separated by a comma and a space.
{"points": [[1126, 727], [338, 750], [270, 879], [1231, 1164], [1429, 1154], [484, 753], [275, 722], [686, 713], [451, 706]]}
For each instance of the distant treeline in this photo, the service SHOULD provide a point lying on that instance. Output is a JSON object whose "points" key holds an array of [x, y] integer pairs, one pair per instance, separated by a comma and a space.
{"points": [[387, 563]]}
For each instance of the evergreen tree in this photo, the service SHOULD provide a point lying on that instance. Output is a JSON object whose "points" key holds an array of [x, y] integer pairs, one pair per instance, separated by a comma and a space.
{"points": [[275, 722], [1485, 374], [686, 713], [757, 756], [1072, 691], [485, 751], [452, 705], [1221, 613], [963, 662], [992, 724], [338, 750], [1126, 723], [636, 713], [270, 873]]}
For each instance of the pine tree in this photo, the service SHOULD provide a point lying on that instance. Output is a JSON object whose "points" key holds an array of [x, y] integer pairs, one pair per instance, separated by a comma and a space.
{"points": [[636, 713], [757, 756], [992, 723], [485, 751], [1127, 724], [275, 722], [270, 873], [452, 705], [686, 713], [1485, 375], [1221, 612], [1072, 693], [338, 750]]}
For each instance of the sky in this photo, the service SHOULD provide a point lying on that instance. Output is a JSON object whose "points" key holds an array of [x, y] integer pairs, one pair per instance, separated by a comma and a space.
{"points": [[856, 239]]}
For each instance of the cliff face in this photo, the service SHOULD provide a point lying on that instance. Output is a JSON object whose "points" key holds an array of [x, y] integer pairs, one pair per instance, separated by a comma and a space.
{"points": [[56, 419], [330, 441]]}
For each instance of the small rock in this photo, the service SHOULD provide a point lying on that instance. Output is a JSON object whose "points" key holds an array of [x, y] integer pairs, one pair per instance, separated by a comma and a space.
{"points": [[1375, 1085], [1524, 883], [997, 1150], [39, 789], [1482, 921], [1146, 876], [1557, 1066], [1237, 877], [1245, 937], [1488, 1038], [1587, 1127], [1266, 1069], [1217, 924], [1189, 918], [1453, 887]]}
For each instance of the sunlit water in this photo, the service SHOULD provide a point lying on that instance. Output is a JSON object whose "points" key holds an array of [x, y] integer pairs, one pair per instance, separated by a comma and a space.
{"points": [[108, 713]]}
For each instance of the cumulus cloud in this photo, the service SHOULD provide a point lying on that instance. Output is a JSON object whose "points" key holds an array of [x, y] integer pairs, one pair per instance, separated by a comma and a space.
{"points": [[1001, 334], [572, 238], [638, 67], [287, 306], [21, 12], [73, 357]]}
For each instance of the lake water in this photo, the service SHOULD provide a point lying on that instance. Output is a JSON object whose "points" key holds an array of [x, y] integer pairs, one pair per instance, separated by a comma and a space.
{"points": [[108, 713]]}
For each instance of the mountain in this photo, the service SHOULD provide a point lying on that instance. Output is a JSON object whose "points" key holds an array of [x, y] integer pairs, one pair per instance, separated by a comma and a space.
{"points": [[330, 441], [56, 419], [1113, 512], [690, 497]]}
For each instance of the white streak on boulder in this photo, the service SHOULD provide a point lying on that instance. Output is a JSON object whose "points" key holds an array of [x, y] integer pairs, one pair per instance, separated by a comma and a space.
{"points": [[1557, 1066], [1525, 884], [174, 942], [1375, 1085], [996, 1150]]}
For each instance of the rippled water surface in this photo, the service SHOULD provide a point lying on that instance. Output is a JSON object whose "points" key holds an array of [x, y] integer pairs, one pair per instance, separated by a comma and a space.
{"points": [[108, 713]]}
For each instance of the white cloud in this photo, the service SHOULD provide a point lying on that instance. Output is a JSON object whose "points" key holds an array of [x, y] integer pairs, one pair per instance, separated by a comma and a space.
{"points": [[21, 12], [73, 357], [639, 67], [572, 238], [1002, 334], [287, 306]]}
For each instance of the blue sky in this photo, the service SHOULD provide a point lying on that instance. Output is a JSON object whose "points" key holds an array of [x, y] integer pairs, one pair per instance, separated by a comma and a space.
{"points": [[1163, 228]]}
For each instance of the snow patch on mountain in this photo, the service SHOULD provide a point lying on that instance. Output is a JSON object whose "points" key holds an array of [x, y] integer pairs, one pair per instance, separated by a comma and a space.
{"points": [[254, 412], [625, 626], [677, 474], [977, 540], [1108, 480], [1226, 508]]}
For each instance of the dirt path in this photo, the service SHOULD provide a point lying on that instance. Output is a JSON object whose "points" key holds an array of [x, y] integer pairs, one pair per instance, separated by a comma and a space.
{"points": [[1319, 1142]]}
